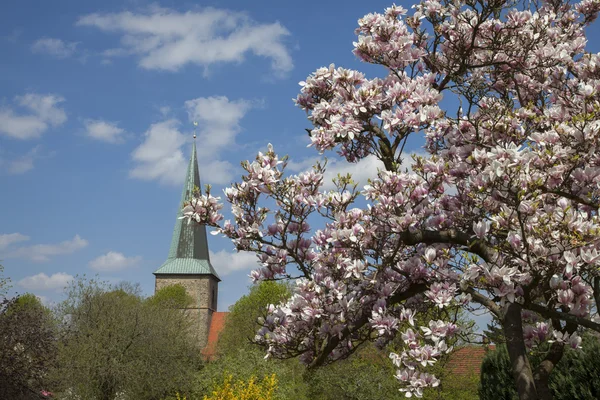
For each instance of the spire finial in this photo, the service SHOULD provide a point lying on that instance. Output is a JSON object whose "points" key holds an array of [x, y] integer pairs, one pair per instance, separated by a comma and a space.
{"points": [[195, 125]]}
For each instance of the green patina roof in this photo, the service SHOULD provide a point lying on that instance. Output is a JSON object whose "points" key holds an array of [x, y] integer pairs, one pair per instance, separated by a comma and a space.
{"points": [[189, 246]]}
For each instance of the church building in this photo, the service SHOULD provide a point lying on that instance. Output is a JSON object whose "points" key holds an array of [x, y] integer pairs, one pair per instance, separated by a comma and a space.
{"points": [[188, 264]]}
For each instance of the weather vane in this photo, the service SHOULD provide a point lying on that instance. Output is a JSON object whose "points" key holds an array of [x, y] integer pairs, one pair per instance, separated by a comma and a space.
{"points": [[195, 125]]}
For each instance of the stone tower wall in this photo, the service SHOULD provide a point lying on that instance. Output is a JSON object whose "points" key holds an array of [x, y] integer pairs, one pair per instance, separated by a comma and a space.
{"points": [[204, 290]]}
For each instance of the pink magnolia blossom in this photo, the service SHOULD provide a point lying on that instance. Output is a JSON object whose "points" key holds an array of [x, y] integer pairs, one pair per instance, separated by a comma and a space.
{"points": [[500, 211]]}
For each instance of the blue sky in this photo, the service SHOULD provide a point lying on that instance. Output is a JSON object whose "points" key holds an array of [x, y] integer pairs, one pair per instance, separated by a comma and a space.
{"points": [[97, 101]]}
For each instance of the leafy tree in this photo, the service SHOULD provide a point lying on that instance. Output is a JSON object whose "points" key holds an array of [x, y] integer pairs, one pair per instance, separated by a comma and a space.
{"points": [[117, 344], [496, 378], [365, 375], [501, 210], [27, 348], [241, 359], [242, 324], [172, 296], [575, 377]]}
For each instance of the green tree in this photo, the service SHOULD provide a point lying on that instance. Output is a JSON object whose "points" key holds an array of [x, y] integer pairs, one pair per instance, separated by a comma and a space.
{"points": [[575, 377], [367, 374], [242, 321], [27, 347], [172, 296], [117, 344], [242, 359]]}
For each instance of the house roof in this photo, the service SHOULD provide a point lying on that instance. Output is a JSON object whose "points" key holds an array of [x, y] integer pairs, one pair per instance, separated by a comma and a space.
{"points": [[467, 360], [189, 245], [216, 326]]}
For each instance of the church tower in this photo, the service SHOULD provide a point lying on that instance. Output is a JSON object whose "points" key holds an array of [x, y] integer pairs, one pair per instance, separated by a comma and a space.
{"points": [[189, 264]]}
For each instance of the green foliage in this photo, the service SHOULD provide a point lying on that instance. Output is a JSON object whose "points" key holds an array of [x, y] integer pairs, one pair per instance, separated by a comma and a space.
{"points": [[241, 324], [246, 362], [245, 390], [172, 296], [117, 344], [27, 347], [368, 374], [241, 359], [497, 382], [494, 332], [29, 301], [575, 377]]}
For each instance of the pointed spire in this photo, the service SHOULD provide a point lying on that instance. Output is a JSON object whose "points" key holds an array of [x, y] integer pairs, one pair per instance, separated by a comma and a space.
{"points": [[189, 246]]}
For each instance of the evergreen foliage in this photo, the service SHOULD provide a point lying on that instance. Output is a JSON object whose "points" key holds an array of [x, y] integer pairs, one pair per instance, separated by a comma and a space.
{"points": [[575, 377]]}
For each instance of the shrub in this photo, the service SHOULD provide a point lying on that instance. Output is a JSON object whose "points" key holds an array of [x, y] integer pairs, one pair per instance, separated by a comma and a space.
{"points": [[575, 377], [245, 390]]}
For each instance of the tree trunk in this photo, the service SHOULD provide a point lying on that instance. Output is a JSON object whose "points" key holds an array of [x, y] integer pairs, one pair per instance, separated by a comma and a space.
{"points": [[543, 371], [521, 369]]}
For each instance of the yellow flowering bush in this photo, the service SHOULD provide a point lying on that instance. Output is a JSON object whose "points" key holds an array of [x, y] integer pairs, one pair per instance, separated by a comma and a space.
{"points": [[242, 390]]}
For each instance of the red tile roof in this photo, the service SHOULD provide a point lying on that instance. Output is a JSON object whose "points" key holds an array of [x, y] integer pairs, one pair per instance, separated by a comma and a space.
{"points": [[468, 359], [216, 326]]}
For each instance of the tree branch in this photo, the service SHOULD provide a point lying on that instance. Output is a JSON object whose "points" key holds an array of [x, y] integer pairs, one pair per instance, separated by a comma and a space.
{"points": [[569, 318], [450, 236], [333, 341], [570, 196], [484, 301]]}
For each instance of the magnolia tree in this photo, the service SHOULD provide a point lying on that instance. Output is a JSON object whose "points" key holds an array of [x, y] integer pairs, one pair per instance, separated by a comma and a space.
{"points": [[501, 211]]}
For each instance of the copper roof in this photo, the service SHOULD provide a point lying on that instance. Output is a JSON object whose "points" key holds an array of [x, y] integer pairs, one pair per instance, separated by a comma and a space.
{"points": [[189, 246]]}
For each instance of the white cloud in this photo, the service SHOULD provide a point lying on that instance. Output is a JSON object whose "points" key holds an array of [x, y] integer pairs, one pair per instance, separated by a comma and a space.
{"points": [[41, 281], [44, 106], [113, 261], [23, 163], [43, 252], [43, 112], [165, 39], [54, 47], [217, 172], [7, 239], [218, 119], [160, 156], [226, 262], [361, 171], [103, 130], [48, 302], [165, 111]]}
